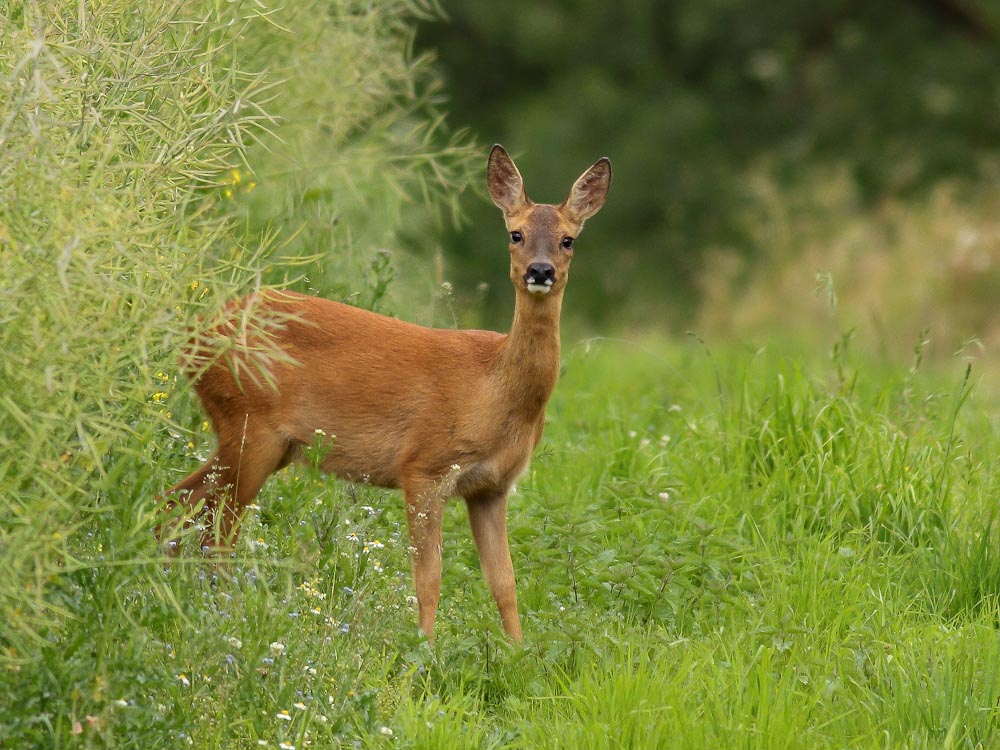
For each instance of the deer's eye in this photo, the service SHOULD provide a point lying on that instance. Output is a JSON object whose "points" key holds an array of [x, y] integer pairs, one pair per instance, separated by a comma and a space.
{"points": [[516, 237], [567, 242]]}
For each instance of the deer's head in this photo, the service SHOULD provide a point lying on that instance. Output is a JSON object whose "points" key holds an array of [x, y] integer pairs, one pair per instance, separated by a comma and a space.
{"points": [[541, 235]]}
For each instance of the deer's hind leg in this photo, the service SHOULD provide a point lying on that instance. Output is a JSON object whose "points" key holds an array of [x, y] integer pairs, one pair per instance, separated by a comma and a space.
{"points": [[228, 482], [200, 486]]}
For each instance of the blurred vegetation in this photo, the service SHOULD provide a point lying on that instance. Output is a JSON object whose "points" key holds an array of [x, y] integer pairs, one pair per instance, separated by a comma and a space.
{"points": [[713, 113]]}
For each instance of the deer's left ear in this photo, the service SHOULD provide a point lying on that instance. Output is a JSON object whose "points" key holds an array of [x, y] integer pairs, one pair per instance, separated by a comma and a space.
{"points": [[590, 190]]}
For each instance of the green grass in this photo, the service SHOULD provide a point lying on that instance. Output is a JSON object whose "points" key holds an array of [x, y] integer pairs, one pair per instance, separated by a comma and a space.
{"points": [[728, 549]]}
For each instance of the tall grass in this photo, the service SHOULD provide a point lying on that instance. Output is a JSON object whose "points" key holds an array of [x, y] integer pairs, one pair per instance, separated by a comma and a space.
{"points": [[155, 160], [702, 562]]}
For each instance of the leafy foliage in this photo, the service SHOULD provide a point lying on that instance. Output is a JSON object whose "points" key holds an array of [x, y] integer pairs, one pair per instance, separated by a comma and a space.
{"points": [[152, 168]]}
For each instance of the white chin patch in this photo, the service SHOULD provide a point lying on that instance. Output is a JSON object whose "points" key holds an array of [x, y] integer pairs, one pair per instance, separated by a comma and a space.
{"points": [[540, 288]]}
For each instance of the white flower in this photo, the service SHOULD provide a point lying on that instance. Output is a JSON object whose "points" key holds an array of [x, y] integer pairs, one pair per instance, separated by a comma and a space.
{"points": [[385, 732], [277, 648], [235, 642]]}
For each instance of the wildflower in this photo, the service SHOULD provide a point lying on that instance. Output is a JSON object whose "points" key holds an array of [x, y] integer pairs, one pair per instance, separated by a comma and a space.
{"points": [[235, 642], [284, 715], [195, 284], [182, 678], [237, 177], [300, 705], [385, 732], [286, 746], [664, 496], [160, 396], [277, 648], [121, 702]]}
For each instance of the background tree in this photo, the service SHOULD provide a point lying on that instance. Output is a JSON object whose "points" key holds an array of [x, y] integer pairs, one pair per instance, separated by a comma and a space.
{"points": [[697, 100]]}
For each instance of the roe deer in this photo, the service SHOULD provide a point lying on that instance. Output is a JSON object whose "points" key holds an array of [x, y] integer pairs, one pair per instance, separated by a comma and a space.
{"points": [[435, 412]]}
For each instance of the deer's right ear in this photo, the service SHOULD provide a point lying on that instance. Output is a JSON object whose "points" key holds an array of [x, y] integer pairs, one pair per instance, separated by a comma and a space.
{"points": [[504, 181]]}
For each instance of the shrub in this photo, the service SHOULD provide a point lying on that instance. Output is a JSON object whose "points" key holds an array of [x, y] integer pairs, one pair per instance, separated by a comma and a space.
{"points": [[133, 139]]}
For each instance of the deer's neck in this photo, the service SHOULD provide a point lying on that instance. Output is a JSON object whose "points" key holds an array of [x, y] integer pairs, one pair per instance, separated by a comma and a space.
{"points": [[529, 360]]}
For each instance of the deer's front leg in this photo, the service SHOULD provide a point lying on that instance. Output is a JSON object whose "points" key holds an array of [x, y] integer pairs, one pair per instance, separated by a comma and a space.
{"points": [[424, 512], [488, 519]]}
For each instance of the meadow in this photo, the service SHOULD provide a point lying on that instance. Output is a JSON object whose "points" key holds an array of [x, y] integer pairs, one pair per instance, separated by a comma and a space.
{"points": [[722, 541], [728, 548]]}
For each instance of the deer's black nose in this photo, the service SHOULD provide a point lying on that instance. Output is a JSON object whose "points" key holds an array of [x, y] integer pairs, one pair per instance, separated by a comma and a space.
{"points": [[541, 274]]}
